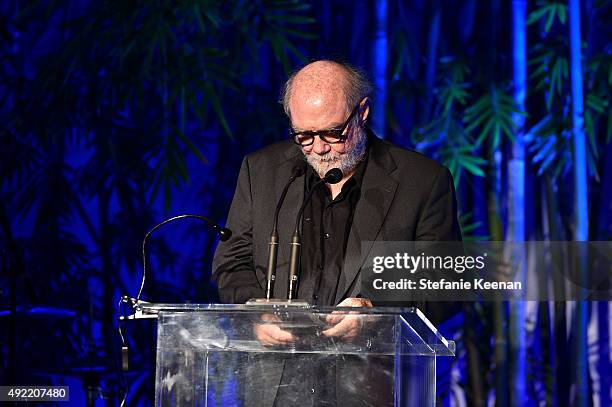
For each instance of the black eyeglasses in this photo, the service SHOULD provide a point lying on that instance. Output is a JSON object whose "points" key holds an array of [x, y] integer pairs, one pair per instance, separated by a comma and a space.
{"points": [[330, 136]]}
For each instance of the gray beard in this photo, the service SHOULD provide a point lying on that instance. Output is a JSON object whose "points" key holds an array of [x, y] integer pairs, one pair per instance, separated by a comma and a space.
{"points": [[346, 162]]}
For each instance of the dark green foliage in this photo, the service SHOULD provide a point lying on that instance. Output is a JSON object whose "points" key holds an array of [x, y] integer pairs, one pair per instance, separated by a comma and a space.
{"points": [[105, 106], [547, 11], [471, 129]]}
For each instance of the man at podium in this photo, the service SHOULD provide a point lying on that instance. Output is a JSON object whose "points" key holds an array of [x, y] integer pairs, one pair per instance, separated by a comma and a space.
{"points": [[386, 193]]}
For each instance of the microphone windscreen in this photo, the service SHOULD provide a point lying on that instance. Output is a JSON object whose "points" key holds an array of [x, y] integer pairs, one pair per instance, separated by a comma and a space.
{"points": [[224, 234], [333, 176]]}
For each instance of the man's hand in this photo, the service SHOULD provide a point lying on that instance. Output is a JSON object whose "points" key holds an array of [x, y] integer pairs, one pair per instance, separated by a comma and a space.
{"points": [[268, 333], [346, 326]]}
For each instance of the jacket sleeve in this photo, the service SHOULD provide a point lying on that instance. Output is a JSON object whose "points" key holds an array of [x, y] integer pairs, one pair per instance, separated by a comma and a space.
{"points": [[438, 220], [233, 267]]}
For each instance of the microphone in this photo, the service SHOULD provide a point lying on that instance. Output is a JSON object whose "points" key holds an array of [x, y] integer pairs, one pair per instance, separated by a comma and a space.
{"points": [[224, 234], [332, 176], [298, 171]]}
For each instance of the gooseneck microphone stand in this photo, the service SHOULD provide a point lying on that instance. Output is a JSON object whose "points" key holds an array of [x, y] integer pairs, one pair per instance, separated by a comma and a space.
{"points": [[297, 172], [224, 234], [332, 176]]}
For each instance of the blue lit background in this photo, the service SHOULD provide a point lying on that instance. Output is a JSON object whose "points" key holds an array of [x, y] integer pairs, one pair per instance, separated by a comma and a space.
{"points": [[116, 115]]}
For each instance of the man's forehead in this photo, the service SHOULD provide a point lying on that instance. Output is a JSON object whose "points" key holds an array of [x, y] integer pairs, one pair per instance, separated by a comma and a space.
{"points": [[318, 98], [313, 114], [318, 94], [315, 102]]}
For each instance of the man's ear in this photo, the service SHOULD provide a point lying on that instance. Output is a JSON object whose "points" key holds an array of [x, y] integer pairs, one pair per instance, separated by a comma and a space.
{"points": [[364, 109]]}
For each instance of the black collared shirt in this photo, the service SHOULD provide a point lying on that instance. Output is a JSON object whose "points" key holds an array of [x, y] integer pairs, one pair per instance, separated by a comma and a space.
{"points": [[325, 230]]}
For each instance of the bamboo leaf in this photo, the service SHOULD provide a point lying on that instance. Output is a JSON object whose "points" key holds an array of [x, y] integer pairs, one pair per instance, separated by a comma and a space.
{"points": [[288, 18], [545, 152], [472, 168], [596, 103], [215, 103], [546, 163], [290, 6], [609, 127], [590, 132], [167, 193], [198, 16], [550, 19], [191, 146], [562, 13], [535, 15], [157, 182], [485, 132], [180, 164], [496, 135], [298, 33]]}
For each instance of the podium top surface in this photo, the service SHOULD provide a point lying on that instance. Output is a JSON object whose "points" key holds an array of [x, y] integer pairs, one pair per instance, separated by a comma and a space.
{"points": [[383, 326]]}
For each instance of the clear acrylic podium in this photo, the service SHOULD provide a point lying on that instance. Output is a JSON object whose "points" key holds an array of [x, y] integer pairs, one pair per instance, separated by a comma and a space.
{"points": [[209, 355]]}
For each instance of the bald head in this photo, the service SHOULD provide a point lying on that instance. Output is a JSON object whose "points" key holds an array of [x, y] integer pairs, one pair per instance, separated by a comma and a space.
{"points": [[320, 87], [323, 86]]}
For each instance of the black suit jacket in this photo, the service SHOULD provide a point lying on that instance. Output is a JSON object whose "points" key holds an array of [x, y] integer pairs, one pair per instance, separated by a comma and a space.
{"points": [[405, 196]]}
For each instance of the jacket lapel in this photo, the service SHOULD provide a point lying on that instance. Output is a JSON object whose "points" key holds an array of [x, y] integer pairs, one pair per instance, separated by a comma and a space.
{"points": [[377, 192]]}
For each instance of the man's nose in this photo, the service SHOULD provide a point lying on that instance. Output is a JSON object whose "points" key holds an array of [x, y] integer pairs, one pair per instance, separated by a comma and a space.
{"points": [[320, 147]]}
